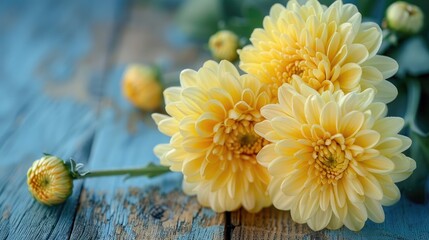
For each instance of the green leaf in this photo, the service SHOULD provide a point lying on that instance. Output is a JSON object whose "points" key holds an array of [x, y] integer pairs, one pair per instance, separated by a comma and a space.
{"points": [[415, 186], [199, 18]]}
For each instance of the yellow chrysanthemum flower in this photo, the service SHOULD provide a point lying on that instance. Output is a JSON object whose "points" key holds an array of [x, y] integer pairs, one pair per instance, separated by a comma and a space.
{"points": [[223, 45], [212, 141], [334, 157], [329, 48], [404, 17], [49, 180]]}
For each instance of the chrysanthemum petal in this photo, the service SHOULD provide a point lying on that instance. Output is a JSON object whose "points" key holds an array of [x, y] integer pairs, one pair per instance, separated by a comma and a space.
{"points": [[375, 211], [386, 65], [404, 166], [329, 117]]}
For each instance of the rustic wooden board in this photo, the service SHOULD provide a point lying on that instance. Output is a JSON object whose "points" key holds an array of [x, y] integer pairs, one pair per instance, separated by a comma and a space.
{"points": [[45, 47], [60, 69]]}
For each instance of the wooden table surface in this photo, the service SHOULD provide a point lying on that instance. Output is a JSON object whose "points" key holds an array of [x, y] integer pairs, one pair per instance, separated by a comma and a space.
{"points": [[60, 71]]}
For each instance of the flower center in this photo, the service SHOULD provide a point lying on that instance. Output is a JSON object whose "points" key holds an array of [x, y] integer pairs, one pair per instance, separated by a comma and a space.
{"points": [[330, 159], [236, 139], [288, 69]]}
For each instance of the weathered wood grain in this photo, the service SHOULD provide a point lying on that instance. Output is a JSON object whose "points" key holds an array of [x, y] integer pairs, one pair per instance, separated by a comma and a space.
{"points": [[405, 220], [43, 46], [270, 223], [139, 208]]}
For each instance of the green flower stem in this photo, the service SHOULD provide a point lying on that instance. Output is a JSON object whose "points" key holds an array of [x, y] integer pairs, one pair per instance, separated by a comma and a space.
{"points": [[414, 92], [150, 171]]}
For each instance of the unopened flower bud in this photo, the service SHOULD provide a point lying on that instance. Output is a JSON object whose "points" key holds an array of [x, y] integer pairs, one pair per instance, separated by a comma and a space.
{"points": [[142, 88], [404, 17], [223, 45], [49, 180]]}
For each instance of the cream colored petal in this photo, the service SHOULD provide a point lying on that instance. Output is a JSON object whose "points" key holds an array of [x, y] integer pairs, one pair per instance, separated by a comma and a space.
{"points": [[351, 123], [386, 92], [404, 167], [389, 126], [350, 187], [263, 128], [262, 100], [378, 110], [288, 147], [160, 150], [390, 146], [391, 193], [187, 128], [298, 108], [216, 108], [350, 76], [320, 220], [312, 109], [157, 117], [287, 127], [370, 35], [406, 142], [307, 206], [324, 199], [189, 188], [271, 111], [379, 164], [375, 211], [205, 125], [371, 75], [222, 96], [335, 223], [356, 217], [194, 98], [386, 65], [276, 10], [178, 110], [172, 94], [188, 78], [280, 200], [357, 53], [191, 167], [285, 94], [196, 144], [294, 183], [329, 117], [221, 180], [340, 195], [367, 138], [280, 167], [372, 187], [266, 155], [168, 126]]}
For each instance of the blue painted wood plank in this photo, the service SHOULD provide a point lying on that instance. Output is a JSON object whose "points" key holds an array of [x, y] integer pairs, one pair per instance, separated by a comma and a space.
{"points": [[41, 46]]}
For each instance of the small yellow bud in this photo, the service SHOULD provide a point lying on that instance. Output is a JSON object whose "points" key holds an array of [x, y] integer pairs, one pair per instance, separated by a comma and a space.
{"points": [[404, 17], [49, 180], [223, 45], [142, 88]]}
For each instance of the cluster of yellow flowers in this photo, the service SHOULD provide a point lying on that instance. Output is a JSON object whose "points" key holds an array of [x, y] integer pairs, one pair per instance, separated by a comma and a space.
{"points": [[305, 129]]}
